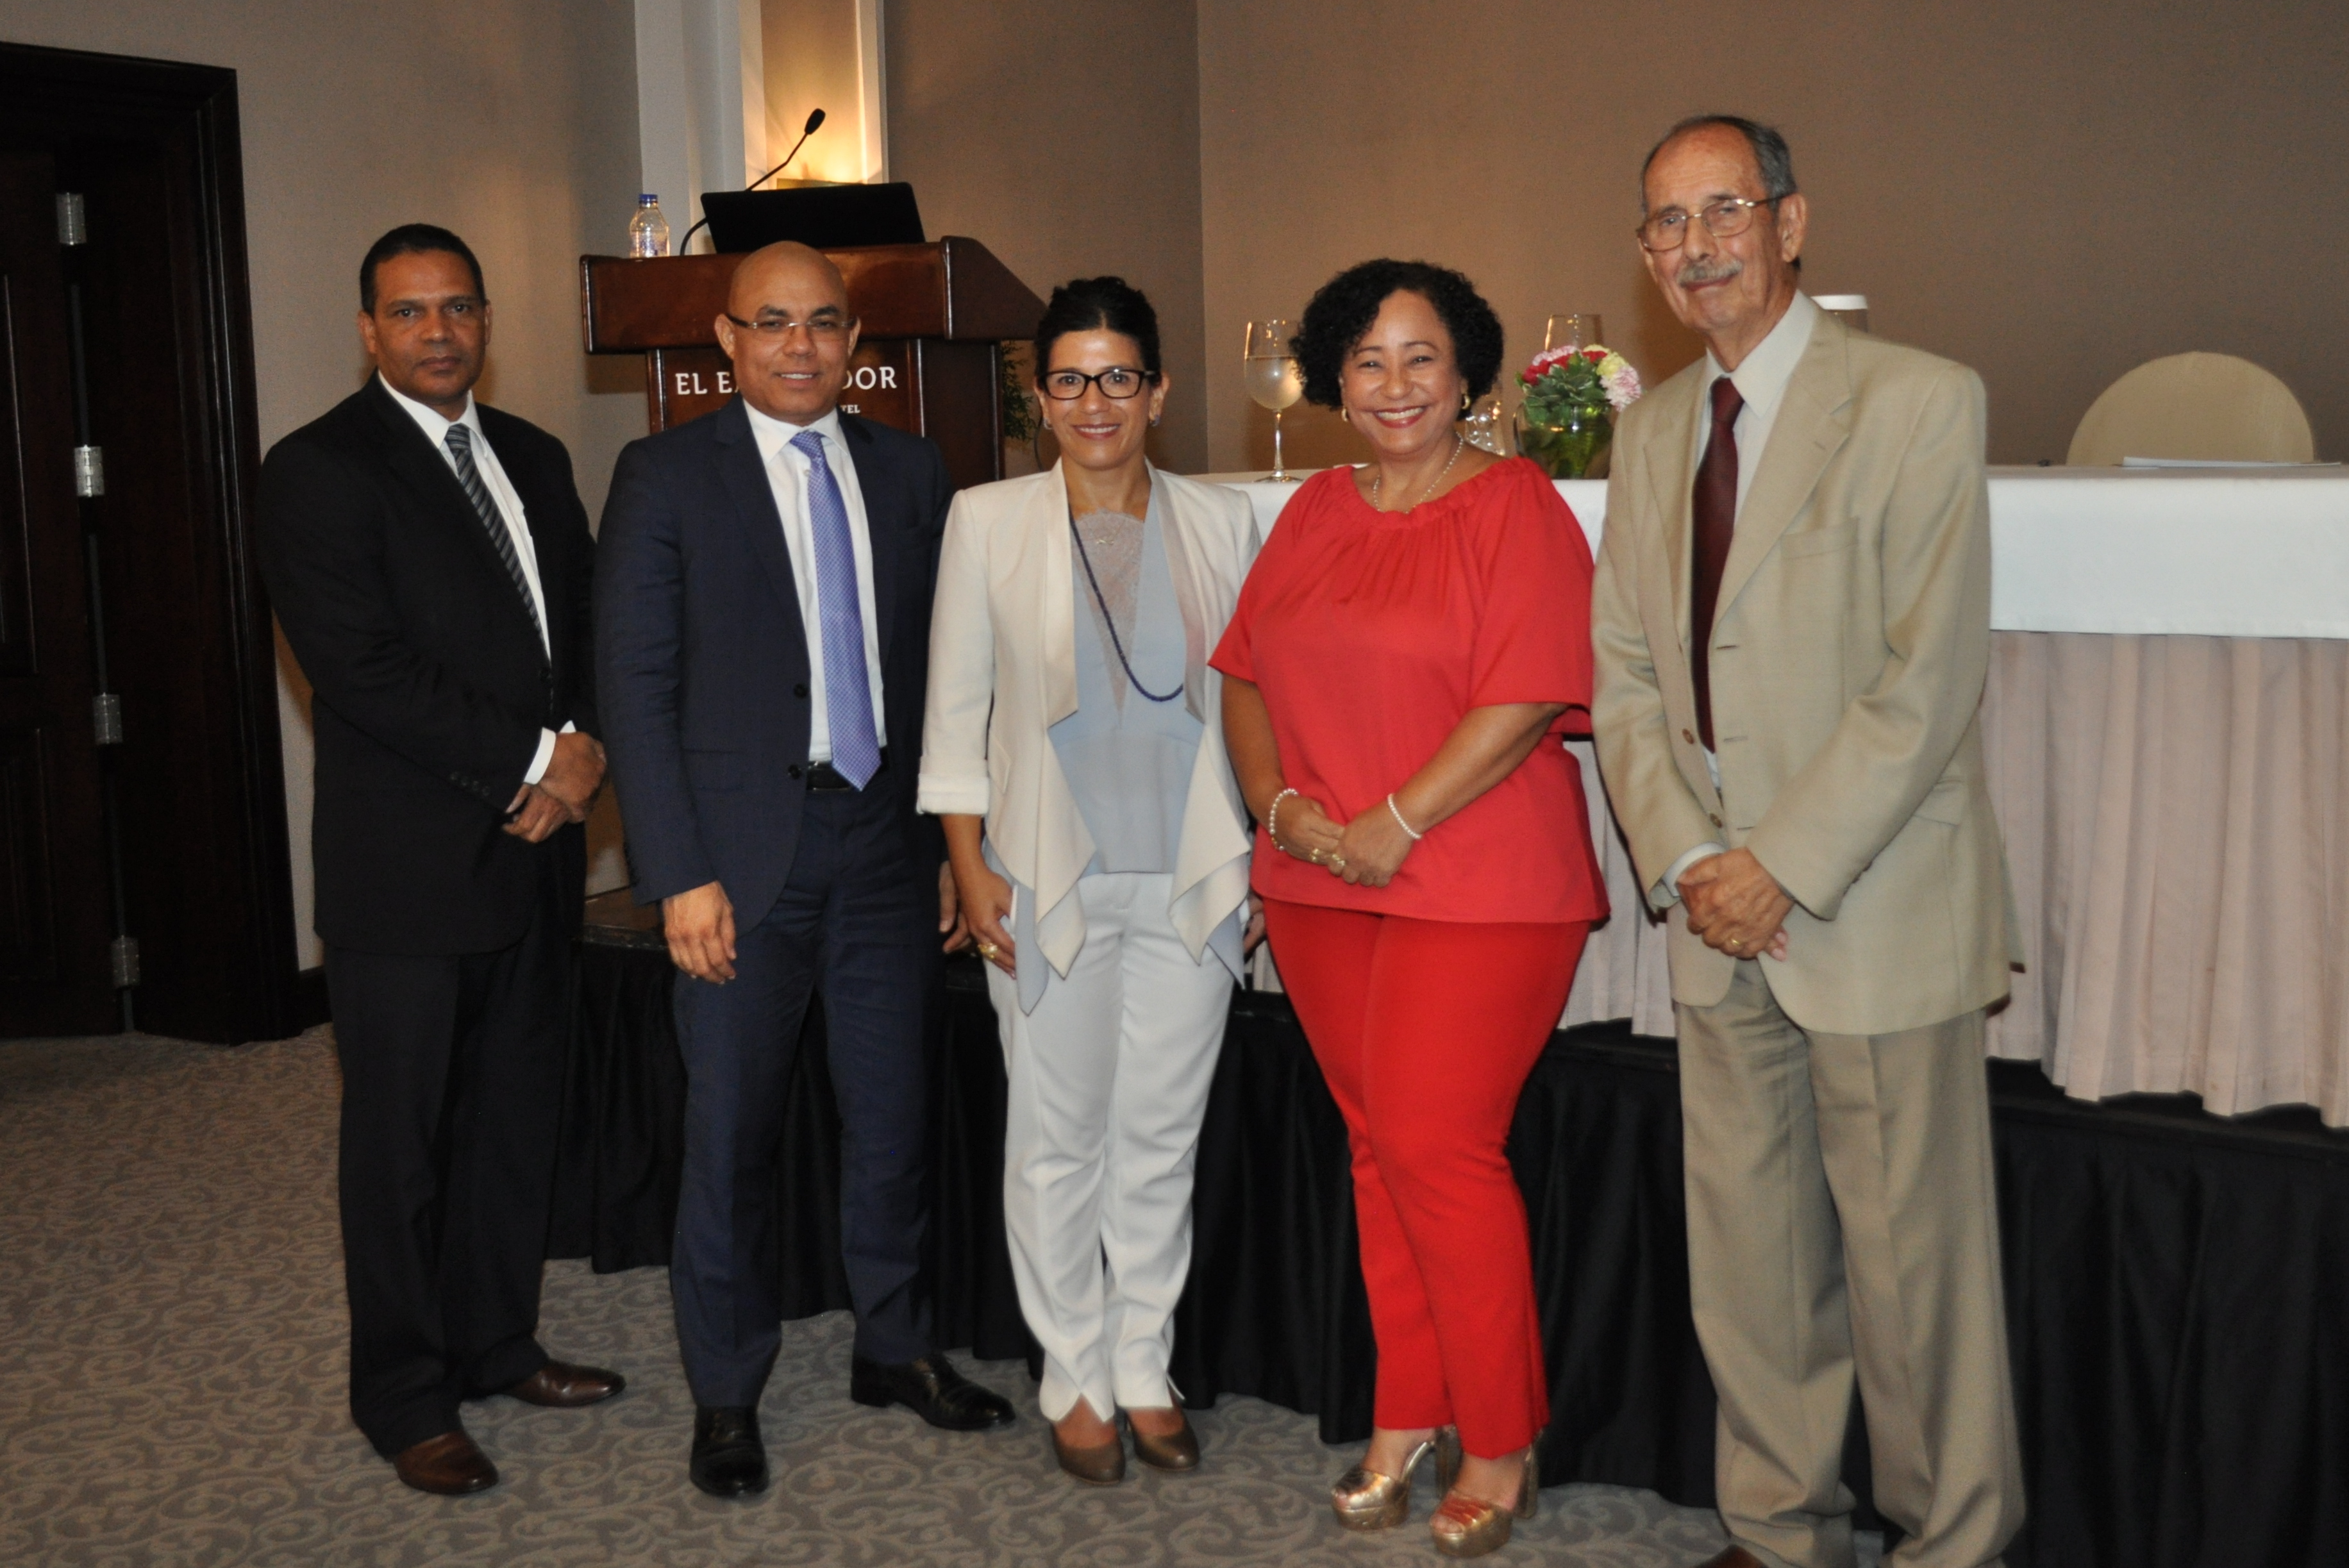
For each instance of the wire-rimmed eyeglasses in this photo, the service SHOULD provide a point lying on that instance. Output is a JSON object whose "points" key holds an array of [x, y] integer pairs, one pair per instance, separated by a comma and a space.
{"points": [[1119, 381], [1723, 220], [823, 328]]}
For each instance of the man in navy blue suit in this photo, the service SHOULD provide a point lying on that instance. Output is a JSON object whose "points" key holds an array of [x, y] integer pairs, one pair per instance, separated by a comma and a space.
{"points": [[762, 615]]}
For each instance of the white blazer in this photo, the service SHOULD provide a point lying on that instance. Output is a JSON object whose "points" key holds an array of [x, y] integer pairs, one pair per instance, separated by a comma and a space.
{"points": [[1003, 671]]}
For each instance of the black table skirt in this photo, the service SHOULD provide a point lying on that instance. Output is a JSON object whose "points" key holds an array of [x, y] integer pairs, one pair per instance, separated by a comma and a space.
{"points": [[2175, 1284]]}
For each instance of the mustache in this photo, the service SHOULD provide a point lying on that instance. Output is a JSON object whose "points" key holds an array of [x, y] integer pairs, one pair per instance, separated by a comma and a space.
{"points": [[1708, 271]]}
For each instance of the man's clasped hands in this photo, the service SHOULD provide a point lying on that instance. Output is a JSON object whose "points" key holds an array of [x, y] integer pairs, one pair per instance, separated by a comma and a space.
{"points": [[565, 793], [1736, 905]]}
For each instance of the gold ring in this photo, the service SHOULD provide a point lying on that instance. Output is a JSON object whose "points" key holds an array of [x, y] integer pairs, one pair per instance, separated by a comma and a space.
{"points": [[987, 950], [1733, 944]]}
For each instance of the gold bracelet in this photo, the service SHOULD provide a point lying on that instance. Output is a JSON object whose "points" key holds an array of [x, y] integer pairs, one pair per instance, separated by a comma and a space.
{"points": [[1414, 833]]}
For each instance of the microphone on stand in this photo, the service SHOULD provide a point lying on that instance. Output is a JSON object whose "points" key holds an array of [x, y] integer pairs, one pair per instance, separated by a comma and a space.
{"points": [[814, 121]]}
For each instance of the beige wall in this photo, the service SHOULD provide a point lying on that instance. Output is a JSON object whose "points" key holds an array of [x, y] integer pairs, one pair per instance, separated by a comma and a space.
{"points": [[1065, 137], [2050, 193], [511, 121], [811, 61]]}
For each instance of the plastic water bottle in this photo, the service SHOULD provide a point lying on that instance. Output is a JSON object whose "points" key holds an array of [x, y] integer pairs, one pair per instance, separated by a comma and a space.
{"points": [[648, 230]]}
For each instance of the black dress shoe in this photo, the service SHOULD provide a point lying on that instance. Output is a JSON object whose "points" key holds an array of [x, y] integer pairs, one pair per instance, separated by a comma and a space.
{"points": [[932, 1389], [728, 1459]]}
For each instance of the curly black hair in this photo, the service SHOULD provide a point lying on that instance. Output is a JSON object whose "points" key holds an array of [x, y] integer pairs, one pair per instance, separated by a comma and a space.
{"points": [[1343, 309]]}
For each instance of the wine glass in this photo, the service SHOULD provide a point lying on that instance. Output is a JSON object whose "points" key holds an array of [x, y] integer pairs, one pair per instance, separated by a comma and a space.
{"points": [[1274, 381], [1570, 329]]}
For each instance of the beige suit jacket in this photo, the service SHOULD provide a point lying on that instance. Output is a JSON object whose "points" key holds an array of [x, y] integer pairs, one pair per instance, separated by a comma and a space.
{"points": [[1003, 671], [1849, 646]]}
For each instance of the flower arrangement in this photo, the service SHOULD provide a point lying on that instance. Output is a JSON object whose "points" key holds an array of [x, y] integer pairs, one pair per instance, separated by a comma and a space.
{"points": [[1563, 378], [1567, 423]]}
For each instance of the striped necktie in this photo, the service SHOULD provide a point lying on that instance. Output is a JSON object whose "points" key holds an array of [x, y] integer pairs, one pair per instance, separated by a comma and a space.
{"points": [[847, 685], [461, 449]]}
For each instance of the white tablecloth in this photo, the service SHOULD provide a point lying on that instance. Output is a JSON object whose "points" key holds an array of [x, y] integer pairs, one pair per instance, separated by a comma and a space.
{"points": [[2149, 552], [2170, 786]]}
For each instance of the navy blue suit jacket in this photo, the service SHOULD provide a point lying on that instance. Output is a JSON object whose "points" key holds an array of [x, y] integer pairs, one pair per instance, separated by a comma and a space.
{"points": [[702, 658]]}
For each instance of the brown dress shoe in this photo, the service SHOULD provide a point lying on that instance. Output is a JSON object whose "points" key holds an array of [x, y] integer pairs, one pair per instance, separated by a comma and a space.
{"points": [[1731, 1556], [1101, 1465], [560, 1386], [1174, 1450], [447, 1466]]}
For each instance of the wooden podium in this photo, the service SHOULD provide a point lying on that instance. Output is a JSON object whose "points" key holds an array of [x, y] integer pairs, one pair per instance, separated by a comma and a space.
{"points": [[929, 360]]}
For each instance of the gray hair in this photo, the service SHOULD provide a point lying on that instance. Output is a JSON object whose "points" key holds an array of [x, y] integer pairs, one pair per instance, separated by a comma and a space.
{"points": [[1770, 153]]}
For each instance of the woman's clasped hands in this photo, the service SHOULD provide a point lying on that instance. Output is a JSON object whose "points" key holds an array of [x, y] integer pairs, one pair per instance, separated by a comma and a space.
{"points": [[1365, 852]]}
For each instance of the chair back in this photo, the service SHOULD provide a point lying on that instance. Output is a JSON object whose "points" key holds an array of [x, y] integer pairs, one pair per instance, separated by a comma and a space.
{"points": [[2210, 406]]}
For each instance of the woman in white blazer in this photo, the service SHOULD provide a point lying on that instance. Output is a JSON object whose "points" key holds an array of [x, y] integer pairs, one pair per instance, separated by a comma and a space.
{"points": [[1074, 749]]}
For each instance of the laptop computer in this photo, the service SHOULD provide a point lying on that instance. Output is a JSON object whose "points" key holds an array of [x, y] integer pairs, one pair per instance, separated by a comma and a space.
{"points": [[829, 217]]}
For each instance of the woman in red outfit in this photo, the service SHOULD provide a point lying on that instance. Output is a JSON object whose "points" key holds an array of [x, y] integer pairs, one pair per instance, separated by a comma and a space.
{"points": [[1407, 651]]}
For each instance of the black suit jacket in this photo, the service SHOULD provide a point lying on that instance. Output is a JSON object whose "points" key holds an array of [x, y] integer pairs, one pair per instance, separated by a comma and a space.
{"points": [[431, 684], [703, 655]]}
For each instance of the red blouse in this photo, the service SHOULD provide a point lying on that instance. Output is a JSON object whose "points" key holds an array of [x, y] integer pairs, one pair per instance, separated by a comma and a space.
{"points": [[1372, 633]]}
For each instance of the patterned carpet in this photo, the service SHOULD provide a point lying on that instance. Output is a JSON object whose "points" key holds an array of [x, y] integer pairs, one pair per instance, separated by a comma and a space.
{"points": [[170, 1281]]}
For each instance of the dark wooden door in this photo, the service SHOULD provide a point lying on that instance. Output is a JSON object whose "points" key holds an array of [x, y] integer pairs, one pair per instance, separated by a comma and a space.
{"points": [[55, 930], [148, 590]]}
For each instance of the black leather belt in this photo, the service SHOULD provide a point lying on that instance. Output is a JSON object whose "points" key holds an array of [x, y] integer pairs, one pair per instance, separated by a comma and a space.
{"points": [[823, 775]]}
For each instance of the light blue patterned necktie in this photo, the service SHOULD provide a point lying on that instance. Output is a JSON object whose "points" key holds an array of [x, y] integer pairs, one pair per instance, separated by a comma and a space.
{"points": [[847, 685]]}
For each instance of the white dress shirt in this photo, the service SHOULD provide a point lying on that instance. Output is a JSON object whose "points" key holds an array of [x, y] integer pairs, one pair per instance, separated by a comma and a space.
{"points": [[787, 477], [1761, 379], [509, 505]]}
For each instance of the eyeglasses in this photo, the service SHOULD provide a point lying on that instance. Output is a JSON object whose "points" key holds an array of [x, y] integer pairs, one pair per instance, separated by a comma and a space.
{"points": [[824, 329], [1723, 220], [1118, 381]]}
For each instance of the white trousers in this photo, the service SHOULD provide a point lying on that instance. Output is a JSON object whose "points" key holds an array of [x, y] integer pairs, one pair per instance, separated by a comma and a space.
{"points": [[1109, 1084]]}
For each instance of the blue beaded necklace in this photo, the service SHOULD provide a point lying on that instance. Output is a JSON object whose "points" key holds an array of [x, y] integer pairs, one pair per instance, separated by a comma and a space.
{"points": [[1107, 620]]}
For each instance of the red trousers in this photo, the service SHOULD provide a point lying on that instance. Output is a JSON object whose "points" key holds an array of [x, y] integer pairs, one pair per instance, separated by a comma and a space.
{"points": [[1426, 1030]]}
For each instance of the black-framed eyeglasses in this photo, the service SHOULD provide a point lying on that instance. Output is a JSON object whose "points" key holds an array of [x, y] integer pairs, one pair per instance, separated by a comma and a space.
{"points": [[1723, 220], [1119, 381], [823, 328]]}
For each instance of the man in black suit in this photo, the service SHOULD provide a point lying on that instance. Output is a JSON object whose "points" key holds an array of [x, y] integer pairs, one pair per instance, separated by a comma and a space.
{"points": [[762, 630], [431, 563]]}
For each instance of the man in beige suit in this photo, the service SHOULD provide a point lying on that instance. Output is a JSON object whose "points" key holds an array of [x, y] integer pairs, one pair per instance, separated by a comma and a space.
{"points": [[1792, 620]]}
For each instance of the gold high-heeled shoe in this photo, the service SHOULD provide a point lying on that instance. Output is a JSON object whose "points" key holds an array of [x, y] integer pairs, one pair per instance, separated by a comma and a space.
{"points": [[1468, 1527], [1366, 1499]]}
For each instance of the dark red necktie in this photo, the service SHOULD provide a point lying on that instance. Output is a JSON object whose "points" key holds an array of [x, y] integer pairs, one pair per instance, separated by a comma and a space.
{"points": [[1715, 510]]}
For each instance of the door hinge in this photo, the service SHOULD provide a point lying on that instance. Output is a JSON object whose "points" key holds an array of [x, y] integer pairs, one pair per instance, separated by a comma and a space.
{"points": [[105, 717], [73, 219], [89, 471], [125, 954]]}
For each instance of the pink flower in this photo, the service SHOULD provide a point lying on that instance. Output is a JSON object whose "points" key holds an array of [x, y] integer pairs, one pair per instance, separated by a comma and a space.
{"points": [[1622, 386]]}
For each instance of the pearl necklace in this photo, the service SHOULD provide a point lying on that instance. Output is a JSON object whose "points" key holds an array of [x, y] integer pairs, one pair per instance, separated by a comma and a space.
{"points": [[1458, 444]]}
